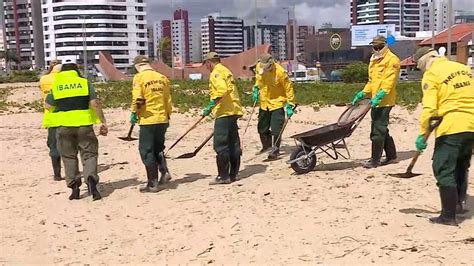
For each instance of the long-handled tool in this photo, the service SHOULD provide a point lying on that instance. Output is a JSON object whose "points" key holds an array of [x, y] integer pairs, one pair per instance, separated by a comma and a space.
{"points": [[140, 102], [247, 126], [433, 123], [129, 135], [185, 133], [192, 154]]}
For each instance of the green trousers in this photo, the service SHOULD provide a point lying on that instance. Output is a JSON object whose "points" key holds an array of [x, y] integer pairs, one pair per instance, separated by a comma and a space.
{"points": [[151, 142], [70, 141], [226, 136], [379, 127], [451, 159], [51, 142], [270, 124]]}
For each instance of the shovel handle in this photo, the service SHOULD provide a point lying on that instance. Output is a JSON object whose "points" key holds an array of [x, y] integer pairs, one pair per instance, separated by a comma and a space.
{"points": [[203, 143], [130, 130], [186, 133]]}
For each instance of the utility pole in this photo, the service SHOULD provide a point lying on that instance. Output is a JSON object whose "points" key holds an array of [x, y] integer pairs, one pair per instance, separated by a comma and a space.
{"points": [[432, 18], [84, 44], [450, 23], [295, 47], [256, 30]]}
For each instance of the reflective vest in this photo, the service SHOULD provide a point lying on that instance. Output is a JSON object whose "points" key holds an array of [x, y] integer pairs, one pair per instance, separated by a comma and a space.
{"points": [[71, 102]]}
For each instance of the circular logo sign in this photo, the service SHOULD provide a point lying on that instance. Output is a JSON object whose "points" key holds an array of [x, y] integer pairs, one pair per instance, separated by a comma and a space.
{"points": [[335, 41]]}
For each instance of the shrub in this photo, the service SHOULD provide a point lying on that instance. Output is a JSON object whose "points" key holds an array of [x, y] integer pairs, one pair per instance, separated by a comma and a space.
{"points": [[355, 73]]}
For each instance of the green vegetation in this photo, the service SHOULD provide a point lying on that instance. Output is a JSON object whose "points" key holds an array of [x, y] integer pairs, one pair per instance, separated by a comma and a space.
{"points": [[355, 73], [194, 94], [4, 93], [21, 76]]}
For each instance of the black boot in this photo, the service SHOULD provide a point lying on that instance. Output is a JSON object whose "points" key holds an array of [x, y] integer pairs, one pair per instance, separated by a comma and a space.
{"points": [[461, 181], [390, 151], [234, 168], [165, 176], [56, 162], [448, 206], [92, 188], [266, 140], [374, 162], [75, 194], [152, 176], [223, 166]]}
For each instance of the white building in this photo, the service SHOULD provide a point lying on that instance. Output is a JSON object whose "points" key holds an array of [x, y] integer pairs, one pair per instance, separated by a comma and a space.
{"points": [[23, 34], [223, 35], [405, 14], [440, 15], [2, 49], [114, 26]]}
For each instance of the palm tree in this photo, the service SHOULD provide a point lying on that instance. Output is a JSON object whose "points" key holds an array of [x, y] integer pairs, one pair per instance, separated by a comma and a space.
{"points": [[164, 50], [9, 56]]}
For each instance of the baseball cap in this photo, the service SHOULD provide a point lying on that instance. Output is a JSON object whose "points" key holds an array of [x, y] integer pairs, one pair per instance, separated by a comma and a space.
{"points": [[210, 55], [421, 52], [141, 59], [69, 60], [378, 39]]}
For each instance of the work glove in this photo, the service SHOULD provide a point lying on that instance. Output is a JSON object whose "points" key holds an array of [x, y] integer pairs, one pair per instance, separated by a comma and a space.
{"points": [[420, 146], [255, 93], [133, 118], [207, 110], [377, 98], [357, 97], [289, 110]]}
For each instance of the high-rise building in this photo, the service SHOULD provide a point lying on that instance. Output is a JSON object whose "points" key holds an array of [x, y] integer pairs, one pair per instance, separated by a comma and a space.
{"points": [[2, 49], [275, 35], [83, 28], [151, 42], [405, 14], [440, 15], [464, 16], [181, 36], [221, 34], [162, 33], [23, 34], [301, 34], [196, 55]]}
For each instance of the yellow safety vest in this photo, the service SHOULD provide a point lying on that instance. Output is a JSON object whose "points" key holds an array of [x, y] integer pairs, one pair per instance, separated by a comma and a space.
{"points": [[71, 95]]}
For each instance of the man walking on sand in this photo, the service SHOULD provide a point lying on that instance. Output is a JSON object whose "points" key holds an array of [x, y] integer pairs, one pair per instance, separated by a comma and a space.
{"points": [[225, 105], [448, 92], [45, 84], [384, 68], [274, 91], [76, 108], [151, 107]]}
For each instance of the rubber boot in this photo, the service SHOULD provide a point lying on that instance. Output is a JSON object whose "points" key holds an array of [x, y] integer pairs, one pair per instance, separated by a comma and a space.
{"points": [[223, 166], [152, 176], [266, 140], [448, 206], [374, 162], [461, 181], [92, 188], [275, 151], [75, 194], [165, 176], [390, 151], [56, 163], [234, 168]]}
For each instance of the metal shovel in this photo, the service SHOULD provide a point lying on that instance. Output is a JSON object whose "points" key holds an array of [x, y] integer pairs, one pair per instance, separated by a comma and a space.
{"points": [[129, 135], [192, 154], [434, 122]]}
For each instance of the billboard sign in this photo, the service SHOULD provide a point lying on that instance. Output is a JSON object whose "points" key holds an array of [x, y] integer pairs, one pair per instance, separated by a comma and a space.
{"points": [[362, 35]]}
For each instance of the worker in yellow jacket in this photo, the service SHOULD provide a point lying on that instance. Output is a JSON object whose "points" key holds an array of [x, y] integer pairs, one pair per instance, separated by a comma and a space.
{"points": [[274, 91], [45, 84], [448, 92], [384, 68], [151, 107], [225, 105]]}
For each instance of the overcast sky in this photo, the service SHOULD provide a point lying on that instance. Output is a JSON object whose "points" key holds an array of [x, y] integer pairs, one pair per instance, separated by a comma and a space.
{"points": [[311, 12]]}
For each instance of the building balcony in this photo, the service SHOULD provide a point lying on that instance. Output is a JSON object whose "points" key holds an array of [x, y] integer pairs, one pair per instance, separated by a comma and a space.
{"points": [[367, 22]]}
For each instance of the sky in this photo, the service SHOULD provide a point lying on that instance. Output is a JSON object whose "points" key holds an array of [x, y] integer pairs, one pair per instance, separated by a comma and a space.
{"points": [[308, 12]]}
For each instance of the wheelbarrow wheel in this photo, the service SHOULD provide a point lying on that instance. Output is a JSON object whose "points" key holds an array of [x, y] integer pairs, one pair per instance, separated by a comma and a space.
{"points": [[302, 166]]}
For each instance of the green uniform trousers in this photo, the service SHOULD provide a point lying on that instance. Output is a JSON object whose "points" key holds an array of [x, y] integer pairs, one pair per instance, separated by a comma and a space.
{"points": [[270, 123], [451, 159], [51, 142], [379, 127], [226, 136], [151, 142], [70, 141]]}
